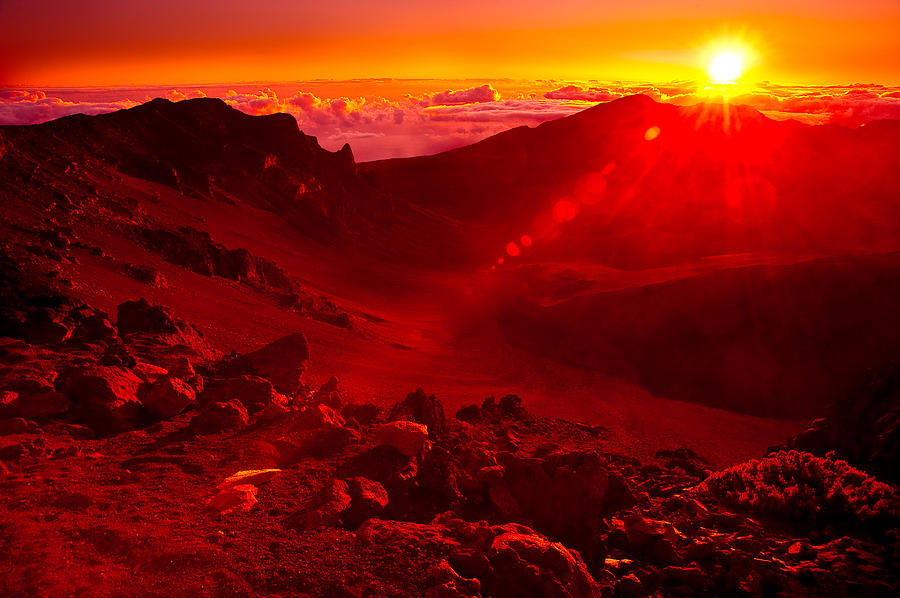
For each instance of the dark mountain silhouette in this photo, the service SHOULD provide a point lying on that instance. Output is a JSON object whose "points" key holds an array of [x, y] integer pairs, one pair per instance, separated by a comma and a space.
{"points": [[717, 179]]}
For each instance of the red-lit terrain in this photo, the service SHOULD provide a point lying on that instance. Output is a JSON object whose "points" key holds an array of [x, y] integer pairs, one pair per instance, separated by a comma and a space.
{"points": [[681, 290]]}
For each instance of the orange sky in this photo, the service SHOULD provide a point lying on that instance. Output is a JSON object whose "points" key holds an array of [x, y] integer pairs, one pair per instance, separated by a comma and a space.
{"points": [[117, 42]]}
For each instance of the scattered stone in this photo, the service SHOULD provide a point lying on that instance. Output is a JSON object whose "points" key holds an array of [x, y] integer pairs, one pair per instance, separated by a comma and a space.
{"points": [[255, 477], [254, 392], [233, 499]]}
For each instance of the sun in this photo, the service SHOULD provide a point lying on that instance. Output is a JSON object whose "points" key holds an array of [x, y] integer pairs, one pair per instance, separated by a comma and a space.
{"points": [[726, 67]]}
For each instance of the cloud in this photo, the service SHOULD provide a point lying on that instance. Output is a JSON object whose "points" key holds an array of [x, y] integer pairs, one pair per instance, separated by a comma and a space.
{"points": [[482, 93], [577, 92], [23, 107]]}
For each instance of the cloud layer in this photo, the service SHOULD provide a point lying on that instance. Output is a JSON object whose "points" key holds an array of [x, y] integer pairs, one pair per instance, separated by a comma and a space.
{"points": [[422, 122]]}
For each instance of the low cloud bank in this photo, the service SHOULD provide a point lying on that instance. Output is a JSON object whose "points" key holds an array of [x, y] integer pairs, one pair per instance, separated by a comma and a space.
{"points": [[377, 127]]}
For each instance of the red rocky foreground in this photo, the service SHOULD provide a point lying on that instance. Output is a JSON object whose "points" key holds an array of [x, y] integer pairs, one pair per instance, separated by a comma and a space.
{"points": [[138, 461]]}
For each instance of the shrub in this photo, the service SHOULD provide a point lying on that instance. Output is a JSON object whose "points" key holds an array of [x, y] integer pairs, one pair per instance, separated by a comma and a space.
{"points": [[801, 486]]}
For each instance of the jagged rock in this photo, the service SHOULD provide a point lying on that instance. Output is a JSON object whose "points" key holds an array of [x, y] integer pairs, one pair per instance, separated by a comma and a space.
{"points": [[95, 328], [168, 397], [181, 367], [117, 354], [215, 417], [629, 586], [439, 473], [419, 407], [328, 394], [105, 397], [283, 362], [148, 275], [154, 328], [148, 372], [685, 459], [254, 392], [863, 428], [444, 582], [507, 560], [316, 416], [407, 437], [367, 499], [142, 316], [509, 406], [363, 414]]}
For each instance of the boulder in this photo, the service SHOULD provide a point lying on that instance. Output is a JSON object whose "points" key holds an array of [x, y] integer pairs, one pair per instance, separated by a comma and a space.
{"points": [[216, 417], [563, 495], [283, 362], [324, 509], [42, 328], [407, 437], [33, 399], [652, 539], [525, 563], [421, 408], [105, 397], [168, 397]]}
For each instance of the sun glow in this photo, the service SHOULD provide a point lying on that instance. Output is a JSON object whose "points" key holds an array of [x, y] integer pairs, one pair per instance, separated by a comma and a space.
{"points": [[727, 61], [726, 67]]}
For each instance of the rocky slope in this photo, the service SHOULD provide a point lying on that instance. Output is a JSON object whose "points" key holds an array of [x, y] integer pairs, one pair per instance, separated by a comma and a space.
{"points": [[135, 457]]}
